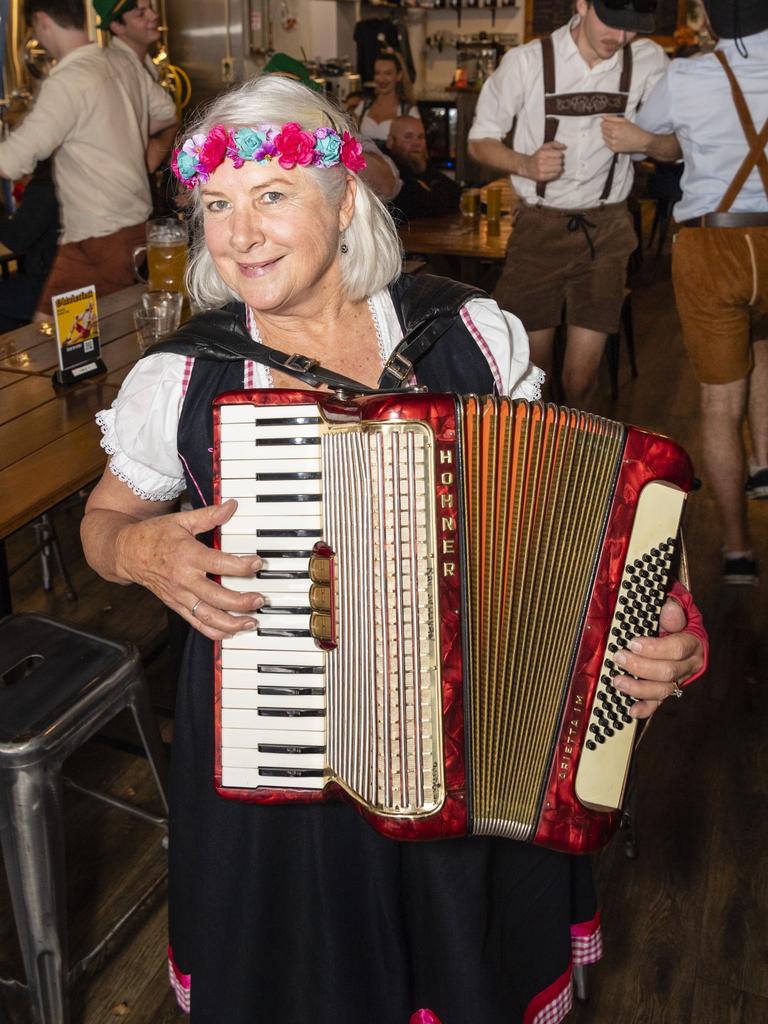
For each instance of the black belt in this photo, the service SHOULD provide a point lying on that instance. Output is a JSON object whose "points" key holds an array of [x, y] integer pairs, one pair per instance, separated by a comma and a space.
{"points": [[727, 220]]}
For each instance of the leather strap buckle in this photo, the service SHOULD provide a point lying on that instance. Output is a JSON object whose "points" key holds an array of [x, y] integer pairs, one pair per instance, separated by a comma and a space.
{"points": [[300, 363], [399, 367]]}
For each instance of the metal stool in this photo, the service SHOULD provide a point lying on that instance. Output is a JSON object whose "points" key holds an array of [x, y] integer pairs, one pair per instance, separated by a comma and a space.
{"points": [[58, 686]]}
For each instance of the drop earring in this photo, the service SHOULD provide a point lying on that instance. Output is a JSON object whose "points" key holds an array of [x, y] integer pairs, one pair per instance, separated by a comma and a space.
{"points": [[344, 248]]}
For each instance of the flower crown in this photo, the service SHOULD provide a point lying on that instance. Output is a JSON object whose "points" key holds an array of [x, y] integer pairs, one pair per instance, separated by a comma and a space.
{"points": [[195, 160]]}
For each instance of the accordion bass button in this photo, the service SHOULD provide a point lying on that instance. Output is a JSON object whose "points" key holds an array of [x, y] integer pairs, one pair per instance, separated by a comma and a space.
{"points": [[321, 628], [319, 598], [319, 569]]}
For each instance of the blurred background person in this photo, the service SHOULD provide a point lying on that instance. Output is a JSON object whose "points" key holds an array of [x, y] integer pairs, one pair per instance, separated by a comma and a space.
{"points": [[393, 96], [133, 27], [713, 110], [31, 234], [573, 234], [380, 171], [426, 191], [94, 113]]}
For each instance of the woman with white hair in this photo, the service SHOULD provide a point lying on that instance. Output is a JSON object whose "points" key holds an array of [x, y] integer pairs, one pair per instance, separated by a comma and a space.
{"points": [[302, 913]]}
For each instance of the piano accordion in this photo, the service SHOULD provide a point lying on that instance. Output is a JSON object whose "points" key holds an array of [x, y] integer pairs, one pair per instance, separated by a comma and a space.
{"points": [[446, 582]]}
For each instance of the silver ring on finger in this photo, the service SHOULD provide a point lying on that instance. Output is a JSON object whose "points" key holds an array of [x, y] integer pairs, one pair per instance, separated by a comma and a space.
{"points": [[675, 691], [195, 606]]}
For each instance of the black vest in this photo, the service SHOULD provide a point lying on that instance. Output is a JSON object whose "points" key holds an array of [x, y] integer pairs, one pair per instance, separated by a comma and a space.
{"points": [[455, 363]]}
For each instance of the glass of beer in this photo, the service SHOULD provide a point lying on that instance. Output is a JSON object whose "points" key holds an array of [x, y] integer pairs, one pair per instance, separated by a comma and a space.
{"points": [[166, 255], [493, 210]]}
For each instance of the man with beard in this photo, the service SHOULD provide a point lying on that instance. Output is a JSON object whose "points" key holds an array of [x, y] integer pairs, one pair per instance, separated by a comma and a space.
{"points": [[573, 234], [426, 191]]}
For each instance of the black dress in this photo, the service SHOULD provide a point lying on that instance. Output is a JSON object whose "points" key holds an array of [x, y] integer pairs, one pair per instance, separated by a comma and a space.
{"points": [[303, 914]]}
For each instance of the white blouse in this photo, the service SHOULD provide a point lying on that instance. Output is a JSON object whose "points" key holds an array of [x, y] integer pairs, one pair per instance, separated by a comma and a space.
{"points": [[141, 426], [378, 130]]}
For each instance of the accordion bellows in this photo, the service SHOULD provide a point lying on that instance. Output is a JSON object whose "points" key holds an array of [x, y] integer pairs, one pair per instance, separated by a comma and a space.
{"points": [[446, 581]]}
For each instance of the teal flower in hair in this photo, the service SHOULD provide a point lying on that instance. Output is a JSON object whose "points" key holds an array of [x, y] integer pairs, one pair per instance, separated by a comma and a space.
{"points": [[250, 140], [327, 147]]}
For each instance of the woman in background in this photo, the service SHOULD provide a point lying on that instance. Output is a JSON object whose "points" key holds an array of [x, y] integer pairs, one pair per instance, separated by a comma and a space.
{"points": [[393, 97]]}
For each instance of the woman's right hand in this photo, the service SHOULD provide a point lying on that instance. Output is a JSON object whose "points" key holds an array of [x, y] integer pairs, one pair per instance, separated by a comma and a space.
{"points": [[162, 553]]}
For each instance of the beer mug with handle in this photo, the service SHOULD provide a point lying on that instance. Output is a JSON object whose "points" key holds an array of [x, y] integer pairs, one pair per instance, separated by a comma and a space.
{"points": [[166, 255]]}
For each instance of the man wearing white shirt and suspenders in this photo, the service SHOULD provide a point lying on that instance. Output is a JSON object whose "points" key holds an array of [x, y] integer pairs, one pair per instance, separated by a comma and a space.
{"points": [[716, 105], [573, 234]]}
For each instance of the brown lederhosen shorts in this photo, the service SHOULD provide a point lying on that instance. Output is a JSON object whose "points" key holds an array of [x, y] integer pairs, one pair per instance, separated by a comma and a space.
{"points": [[104, 262], [721, 290], [550, 276]]}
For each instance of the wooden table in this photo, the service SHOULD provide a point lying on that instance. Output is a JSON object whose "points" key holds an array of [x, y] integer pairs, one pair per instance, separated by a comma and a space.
{"points": [[456, 235], [49, 442], [465, 238]]}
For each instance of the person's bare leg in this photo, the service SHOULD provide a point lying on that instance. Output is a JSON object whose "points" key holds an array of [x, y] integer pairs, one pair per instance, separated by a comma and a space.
{"points": [[583, 352], [542, 347], [758, 404], [723, 407]]}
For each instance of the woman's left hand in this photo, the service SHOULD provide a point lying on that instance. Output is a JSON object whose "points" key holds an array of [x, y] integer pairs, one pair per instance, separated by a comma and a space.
{"points": [[659, 663]]}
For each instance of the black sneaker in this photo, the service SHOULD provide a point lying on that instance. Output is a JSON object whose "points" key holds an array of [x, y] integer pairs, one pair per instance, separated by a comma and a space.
{"points": [[757, 485], [740, 572]]}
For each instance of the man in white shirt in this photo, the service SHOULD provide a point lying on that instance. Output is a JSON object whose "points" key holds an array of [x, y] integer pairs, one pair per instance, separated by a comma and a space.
{"points": [[716, 105], [94, 114], [573, 234], [133, 26]]}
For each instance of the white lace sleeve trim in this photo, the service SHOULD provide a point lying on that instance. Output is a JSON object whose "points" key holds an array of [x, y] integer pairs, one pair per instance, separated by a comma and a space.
{"points": [[141, 426]]}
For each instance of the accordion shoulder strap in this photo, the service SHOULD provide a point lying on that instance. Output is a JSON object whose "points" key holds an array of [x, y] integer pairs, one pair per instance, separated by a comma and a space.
{"points": [[221, 335], [426, 307]]}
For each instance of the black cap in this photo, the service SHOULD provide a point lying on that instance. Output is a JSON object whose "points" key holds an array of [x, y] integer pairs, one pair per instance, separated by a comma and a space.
{"points": [[628, 15], [734, 19]]}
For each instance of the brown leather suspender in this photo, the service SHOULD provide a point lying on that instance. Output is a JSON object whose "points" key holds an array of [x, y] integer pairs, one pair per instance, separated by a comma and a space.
{"points": [[757, 141], [581, 104]]}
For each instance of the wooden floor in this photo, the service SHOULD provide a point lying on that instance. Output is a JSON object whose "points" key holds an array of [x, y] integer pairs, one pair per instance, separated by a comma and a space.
{"points": [[685, 924]]}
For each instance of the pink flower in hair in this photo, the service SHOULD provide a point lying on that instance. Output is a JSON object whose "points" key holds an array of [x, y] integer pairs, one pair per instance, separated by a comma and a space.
{"points": [[232, 150], [213, 151], [352, 153], [295, 146]]}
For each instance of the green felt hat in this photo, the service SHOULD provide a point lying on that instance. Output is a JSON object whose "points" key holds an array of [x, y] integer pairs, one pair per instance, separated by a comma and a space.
{"points": [[108, 10], [282, 64]]}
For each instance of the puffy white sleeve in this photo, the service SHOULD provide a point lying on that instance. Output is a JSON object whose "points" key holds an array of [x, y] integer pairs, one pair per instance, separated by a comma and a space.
{"points": [[141, 425], [504, 343]]}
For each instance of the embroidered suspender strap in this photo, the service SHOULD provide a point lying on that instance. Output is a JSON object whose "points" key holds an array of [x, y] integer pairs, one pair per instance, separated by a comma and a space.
{"points": [[624, 86], [550, 81], [757, 142]]}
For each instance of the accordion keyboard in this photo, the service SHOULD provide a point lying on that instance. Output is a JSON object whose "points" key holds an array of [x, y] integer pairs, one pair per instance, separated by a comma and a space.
{"points": [[273, 705]]}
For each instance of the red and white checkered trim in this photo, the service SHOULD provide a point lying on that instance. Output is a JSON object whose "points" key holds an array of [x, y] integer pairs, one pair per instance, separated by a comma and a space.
{"points": [[587, 941], [180, 983], [470, 325], [189, 362], [556, 1001]]}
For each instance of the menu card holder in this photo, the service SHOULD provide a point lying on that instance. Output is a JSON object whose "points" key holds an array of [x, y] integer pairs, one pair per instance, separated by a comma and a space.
{"points": [[77, 337]]}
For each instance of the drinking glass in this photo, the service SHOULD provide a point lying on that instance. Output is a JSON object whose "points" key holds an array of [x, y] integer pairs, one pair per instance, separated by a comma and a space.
{"points": [[166, 255], [164, 304], [470, 202], [158, 317]]}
